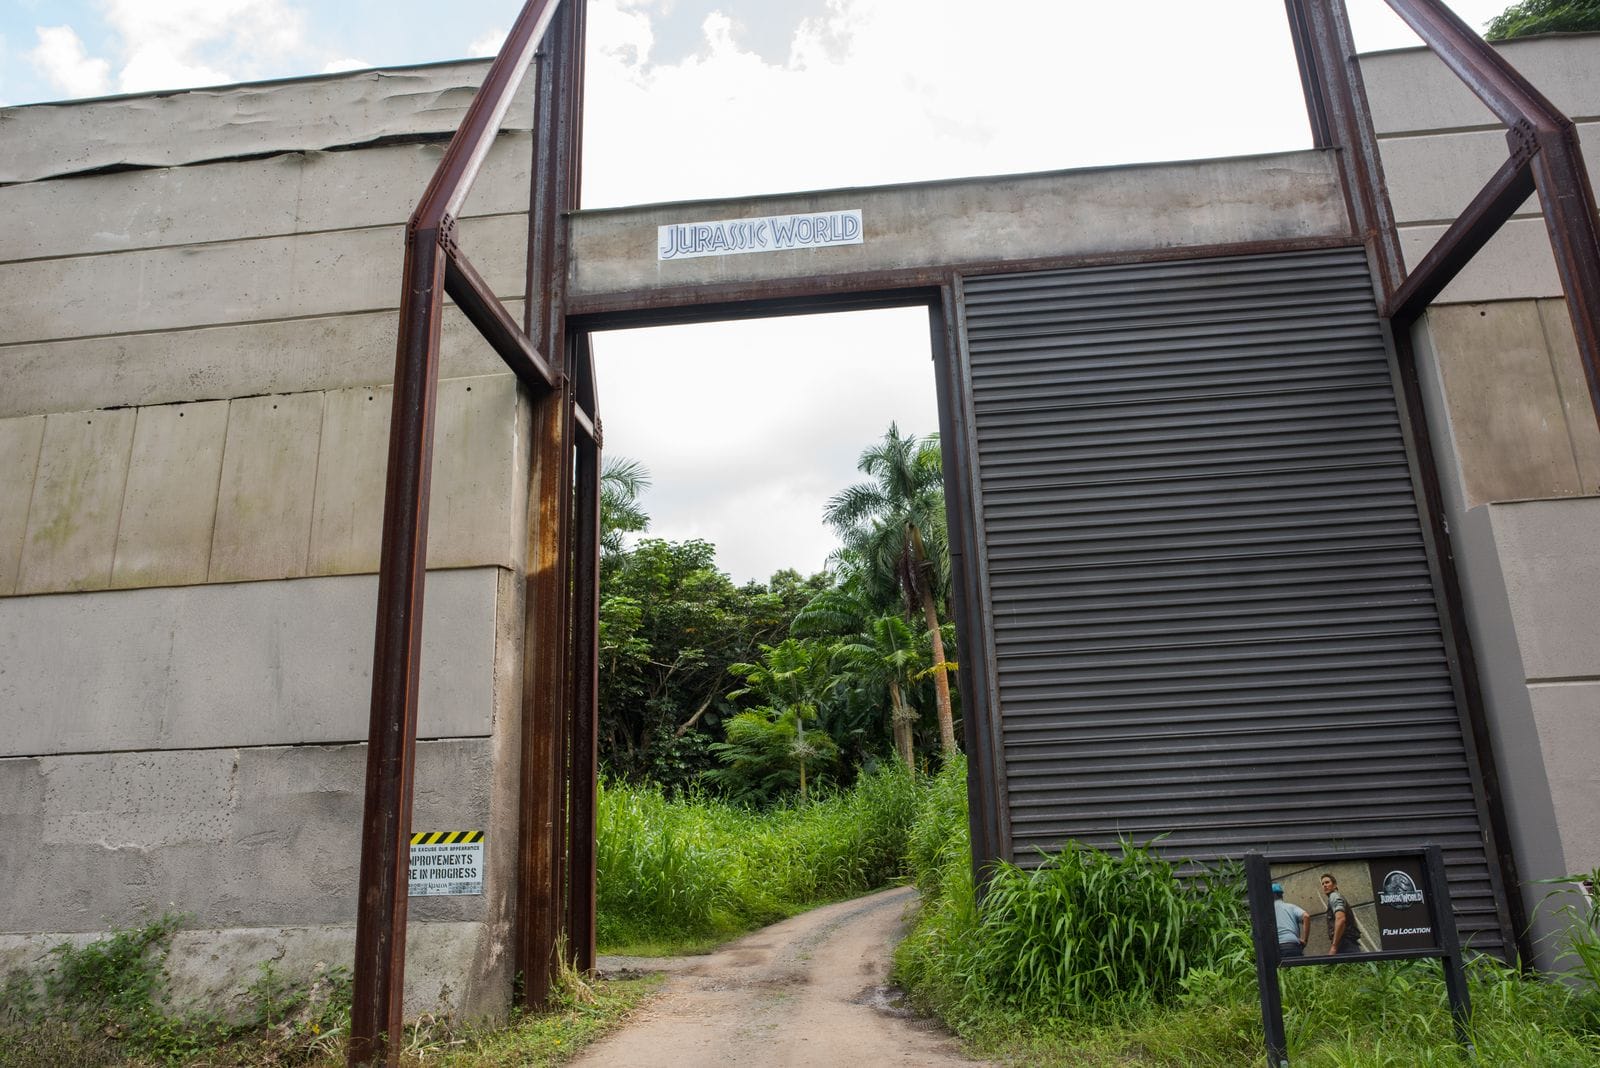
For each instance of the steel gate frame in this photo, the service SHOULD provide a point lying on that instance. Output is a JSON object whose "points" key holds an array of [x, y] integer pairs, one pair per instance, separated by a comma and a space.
{"points": [[550, 354]]}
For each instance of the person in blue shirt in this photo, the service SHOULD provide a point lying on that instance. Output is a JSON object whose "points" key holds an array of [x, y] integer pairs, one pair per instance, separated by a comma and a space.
{"points": [[1294, 924]]}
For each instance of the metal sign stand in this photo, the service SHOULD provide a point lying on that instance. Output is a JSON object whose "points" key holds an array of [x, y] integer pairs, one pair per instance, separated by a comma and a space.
{"points": [[1440, 936]]}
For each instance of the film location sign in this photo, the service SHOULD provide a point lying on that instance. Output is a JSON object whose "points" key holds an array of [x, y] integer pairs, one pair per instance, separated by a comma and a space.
{"points": [[770, 233], [446, 863]]}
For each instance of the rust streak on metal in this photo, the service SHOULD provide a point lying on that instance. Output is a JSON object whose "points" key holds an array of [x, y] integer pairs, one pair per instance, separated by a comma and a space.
{"points": [[585, 678], [375, 1031]]}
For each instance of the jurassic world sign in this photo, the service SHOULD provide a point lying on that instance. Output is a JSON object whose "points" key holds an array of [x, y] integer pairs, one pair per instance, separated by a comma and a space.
{"points": [[1338, 908], [769, 233]]}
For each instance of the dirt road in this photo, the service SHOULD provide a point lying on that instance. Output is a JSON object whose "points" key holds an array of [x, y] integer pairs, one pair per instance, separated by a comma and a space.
{"points": [[807, 991]]}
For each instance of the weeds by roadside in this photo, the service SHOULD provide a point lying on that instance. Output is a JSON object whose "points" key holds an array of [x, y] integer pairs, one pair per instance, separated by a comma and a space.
{"points": [[1107, 959]]}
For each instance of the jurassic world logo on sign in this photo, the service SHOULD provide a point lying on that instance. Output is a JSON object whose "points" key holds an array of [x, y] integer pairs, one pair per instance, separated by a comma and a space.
{"points": [[770, 233], [1404, 914]]}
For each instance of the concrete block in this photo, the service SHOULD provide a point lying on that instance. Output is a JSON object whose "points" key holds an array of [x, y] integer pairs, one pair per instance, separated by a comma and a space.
{"points": [[458, 969], [1551, 562], [269, 467], [232, 838], [300, 114], [236, 281], [77, 500], [295, 193], [1433, 177], [1504, 403], [347, 510], [473, 517], [260, 663], [141, 801], [1582, 428], [245, 360], [1516, 264], [1565, 713], [1090, 211], [169, 509], [1411, 89], [19, 463]]}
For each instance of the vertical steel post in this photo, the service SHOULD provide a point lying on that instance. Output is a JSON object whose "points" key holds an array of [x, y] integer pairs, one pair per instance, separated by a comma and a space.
{"points": [[396, 662], [542, 835], [585, 726]]}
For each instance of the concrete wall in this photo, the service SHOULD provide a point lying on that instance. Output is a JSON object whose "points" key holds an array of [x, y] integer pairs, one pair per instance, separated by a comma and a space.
{"points": [[198, 298], [986, 221], [1516, 439]]}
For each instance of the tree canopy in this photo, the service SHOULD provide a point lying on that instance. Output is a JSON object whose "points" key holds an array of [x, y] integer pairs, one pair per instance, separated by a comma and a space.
{"points": [[1544, 16]]}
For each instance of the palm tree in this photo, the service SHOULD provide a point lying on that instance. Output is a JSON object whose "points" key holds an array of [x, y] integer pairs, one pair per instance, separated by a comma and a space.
{"points": [[893, 529], [622, 481], [886, 653]]}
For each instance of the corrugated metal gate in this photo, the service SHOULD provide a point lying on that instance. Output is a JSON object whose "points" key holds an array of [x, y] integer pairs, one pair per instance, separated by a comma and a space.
{"points": [[1213, 614]]}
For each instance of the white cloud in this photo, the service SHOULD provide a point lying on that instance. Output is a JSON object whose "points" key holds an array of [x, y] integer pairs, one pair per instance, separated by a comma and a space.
{"points": [[336, 66], [168, 44], [489, 44], [62, 59]]}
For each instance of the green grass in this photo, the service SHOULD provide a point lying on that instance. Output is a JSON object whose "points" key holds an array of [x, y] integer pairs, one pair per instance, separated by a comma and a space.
{"points": [[1109, 959], [680, 874]]}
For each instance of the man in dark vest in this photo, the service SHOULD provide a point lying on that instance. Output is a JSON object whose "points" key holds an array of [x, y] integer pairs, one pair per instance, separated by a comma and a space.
{"points": [[1343, 934]]}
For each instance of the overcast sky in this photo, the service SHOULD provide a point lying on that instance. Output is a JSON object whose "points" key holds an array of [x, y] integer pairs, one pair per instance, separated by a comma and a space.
{"points": [[747, 428]]}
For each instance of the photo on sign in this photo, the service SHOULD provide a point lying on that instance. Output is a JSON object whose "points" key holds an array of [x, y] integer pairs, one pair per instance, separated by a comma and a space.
{"points": [[1352, 905]]}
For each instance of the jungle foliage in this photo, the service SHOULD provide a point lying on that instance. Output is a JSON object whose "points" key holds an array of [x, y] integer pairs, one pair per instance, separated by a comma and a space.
{"points": [[1544, 16], [767, 691]]}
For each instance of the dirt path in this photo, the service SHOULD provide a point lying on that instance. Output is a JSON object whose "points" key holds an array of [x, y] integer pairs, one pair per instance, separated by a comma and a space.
{"points": [[807, 991]]}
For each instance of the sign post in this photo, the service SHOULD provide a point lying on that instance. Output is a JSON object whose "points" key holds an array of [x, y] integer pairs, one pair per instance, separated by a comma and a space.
{"points": [[1406, 900]]}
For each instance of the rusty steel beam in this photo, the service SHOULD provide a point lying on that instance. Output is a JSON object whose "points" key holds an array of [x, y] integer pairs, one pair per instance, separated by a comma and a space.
{"points": [[1567, 196], [1495, 203], [1560, 176], [1326, 52], [540, 893], [585, 678], [379, 980], [583, 422], [484, 310], [1486, 72]]}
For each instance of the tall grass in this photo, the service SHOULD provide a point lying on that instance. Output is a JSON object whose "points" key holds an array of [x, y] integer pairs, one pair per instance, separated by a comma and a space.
{"points": [[685, 870]]}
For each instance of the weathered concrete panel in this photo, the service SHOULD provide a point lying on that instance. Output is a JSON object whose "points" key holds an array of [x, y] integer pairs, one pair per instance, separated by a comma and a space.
{"points": [[296, 193], [170, 506], [1411, 90], [1169, 205], [1433, 177], [1565, 712], [347, 511], [77, 499], [236, 281], [210, 363], [1516, 264], [263, 528], [1583, 429], [457, 968], [1504, 403], [260, 663], [1551, 562], [471, 518], [19, 463], [256, 837], [243, 120]]}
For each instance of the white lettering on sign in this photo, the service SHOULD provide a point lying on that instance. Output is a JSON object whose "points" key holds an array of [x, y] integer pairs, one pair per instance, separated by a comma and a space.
{"points": [[446, 870], [773, 233]]}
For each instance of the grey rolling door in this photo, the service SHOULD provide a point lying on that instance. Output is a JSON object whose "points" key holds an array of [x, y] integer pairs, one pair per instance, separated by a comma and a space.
{"points": [[1212, 609]]}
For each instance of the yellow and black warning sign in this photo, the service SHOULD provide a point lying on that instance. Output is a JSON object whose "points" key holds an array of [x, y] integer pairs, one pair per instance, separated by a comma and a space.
{"points": [[446, 863]]}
